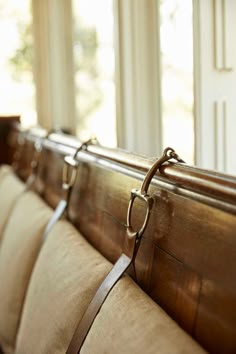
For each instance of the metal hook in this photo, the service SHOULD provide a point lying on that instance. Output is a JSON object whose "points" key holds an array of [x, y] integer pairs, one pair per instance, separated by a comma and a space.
{"points": [[38, 146], [142, 193], [70, 165]]}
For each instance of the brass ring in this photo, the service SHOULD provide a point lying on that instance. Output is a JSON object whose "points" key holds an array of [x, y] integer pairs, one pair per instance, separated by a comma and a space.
{"points": [[84, 145], [142, 194], [69, 175]]}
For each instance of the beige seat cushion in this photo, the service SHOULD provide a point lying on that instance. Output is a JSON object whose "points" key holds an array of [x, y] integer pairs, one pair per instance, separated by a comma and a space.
{"points": [[19, 249], [10, 188], [67, 274], [65, 278], [130, 322], [4, 170]]}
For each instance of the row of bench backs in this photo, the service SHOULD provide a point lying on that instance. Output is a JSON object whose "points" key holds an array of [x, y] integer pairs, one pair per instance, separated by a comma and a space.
{"points": [[48, 286], [24, 217], [186, 260]]}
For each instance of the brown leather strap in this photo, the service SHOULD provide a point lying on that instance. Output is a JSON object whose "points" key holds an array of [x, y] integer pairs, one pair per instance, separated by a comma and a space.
{"points": [[69, 173], [59, 211], [87, 320], [30, 182]]}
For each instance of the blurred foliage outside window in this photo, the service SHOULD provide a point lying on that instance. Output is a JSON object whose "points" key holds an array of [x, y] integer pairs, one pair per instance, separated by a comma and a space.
{"points": [[94, 70], [176, 35], [17, 88]]}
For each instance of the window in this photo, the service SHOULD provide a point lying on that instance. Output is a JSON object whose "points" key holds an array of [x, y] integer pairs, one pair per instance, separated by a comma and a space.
{"points": [[176, 42], [156, 44], [16, 85], [94, 70]]}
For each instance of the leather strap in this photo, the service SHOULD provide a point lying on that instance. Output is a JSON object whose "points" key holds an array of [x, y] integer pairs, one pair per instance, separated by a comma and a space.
{"points": [[29, 182], [69, 174], [59, 211], [131, 246], [119, 268]]}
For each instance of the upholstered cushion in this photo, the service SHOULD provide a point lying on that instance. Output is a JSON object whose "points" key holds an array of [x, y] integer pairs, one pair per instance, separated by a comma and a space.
{"points": [[67, 274], [20, 245], [130, 322], [10, 189], [4, 170], [65, 278]]}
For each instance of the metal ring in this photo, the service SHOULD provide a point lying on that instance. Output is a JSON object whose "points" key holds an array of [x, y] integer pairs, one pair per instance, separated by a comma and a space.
{"points": [[142, 194], [92, 140], [21, 141], [170, 152], [149, 203], [69, 171]]}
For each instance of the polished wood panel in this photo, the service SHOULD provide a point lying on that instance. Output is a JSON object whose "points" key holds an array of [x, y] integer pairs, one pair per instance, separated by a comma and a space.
{"points": [[175, 287], [7, 124], [187, 259]]}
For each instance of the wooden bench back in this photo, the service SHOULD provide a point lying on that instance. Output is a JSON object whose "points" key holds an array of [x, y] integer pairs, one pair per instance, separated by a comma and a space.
{"points": [[7, 124], [187, 258]]}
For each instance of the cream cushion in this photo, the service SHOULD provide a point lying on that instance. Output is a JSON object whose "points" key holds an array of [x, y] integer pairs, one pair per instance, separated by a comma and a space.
{"points": [[19, 249], [10, 188], [65, 278], [4, 170], [130, 322]]}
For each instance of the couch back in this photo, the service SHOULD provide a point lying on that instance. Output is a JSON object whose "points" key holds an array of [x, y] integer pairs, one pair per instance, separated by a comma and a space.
{"points": [[187, 258]]}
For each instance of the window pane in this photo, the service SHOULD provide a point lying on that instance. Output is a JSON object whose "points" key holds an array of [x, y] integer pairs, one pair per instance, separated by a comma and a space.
{"points": [[17, 89], [94, 65], [177, 76]]}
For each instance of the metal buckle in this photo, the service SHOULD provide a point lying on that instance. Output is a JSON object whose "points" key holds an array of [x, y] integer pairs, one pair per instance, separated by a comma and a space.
{"points": [[142, 194], [38, 146], [149, 203], [69, 171], [21, 140]]}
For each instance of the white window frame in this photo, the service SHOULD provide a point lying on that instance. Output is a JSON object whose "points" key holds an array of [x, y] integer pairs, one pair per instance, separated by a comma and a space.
{"points": [[138, 76], [215, 78], [54, 68]]}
